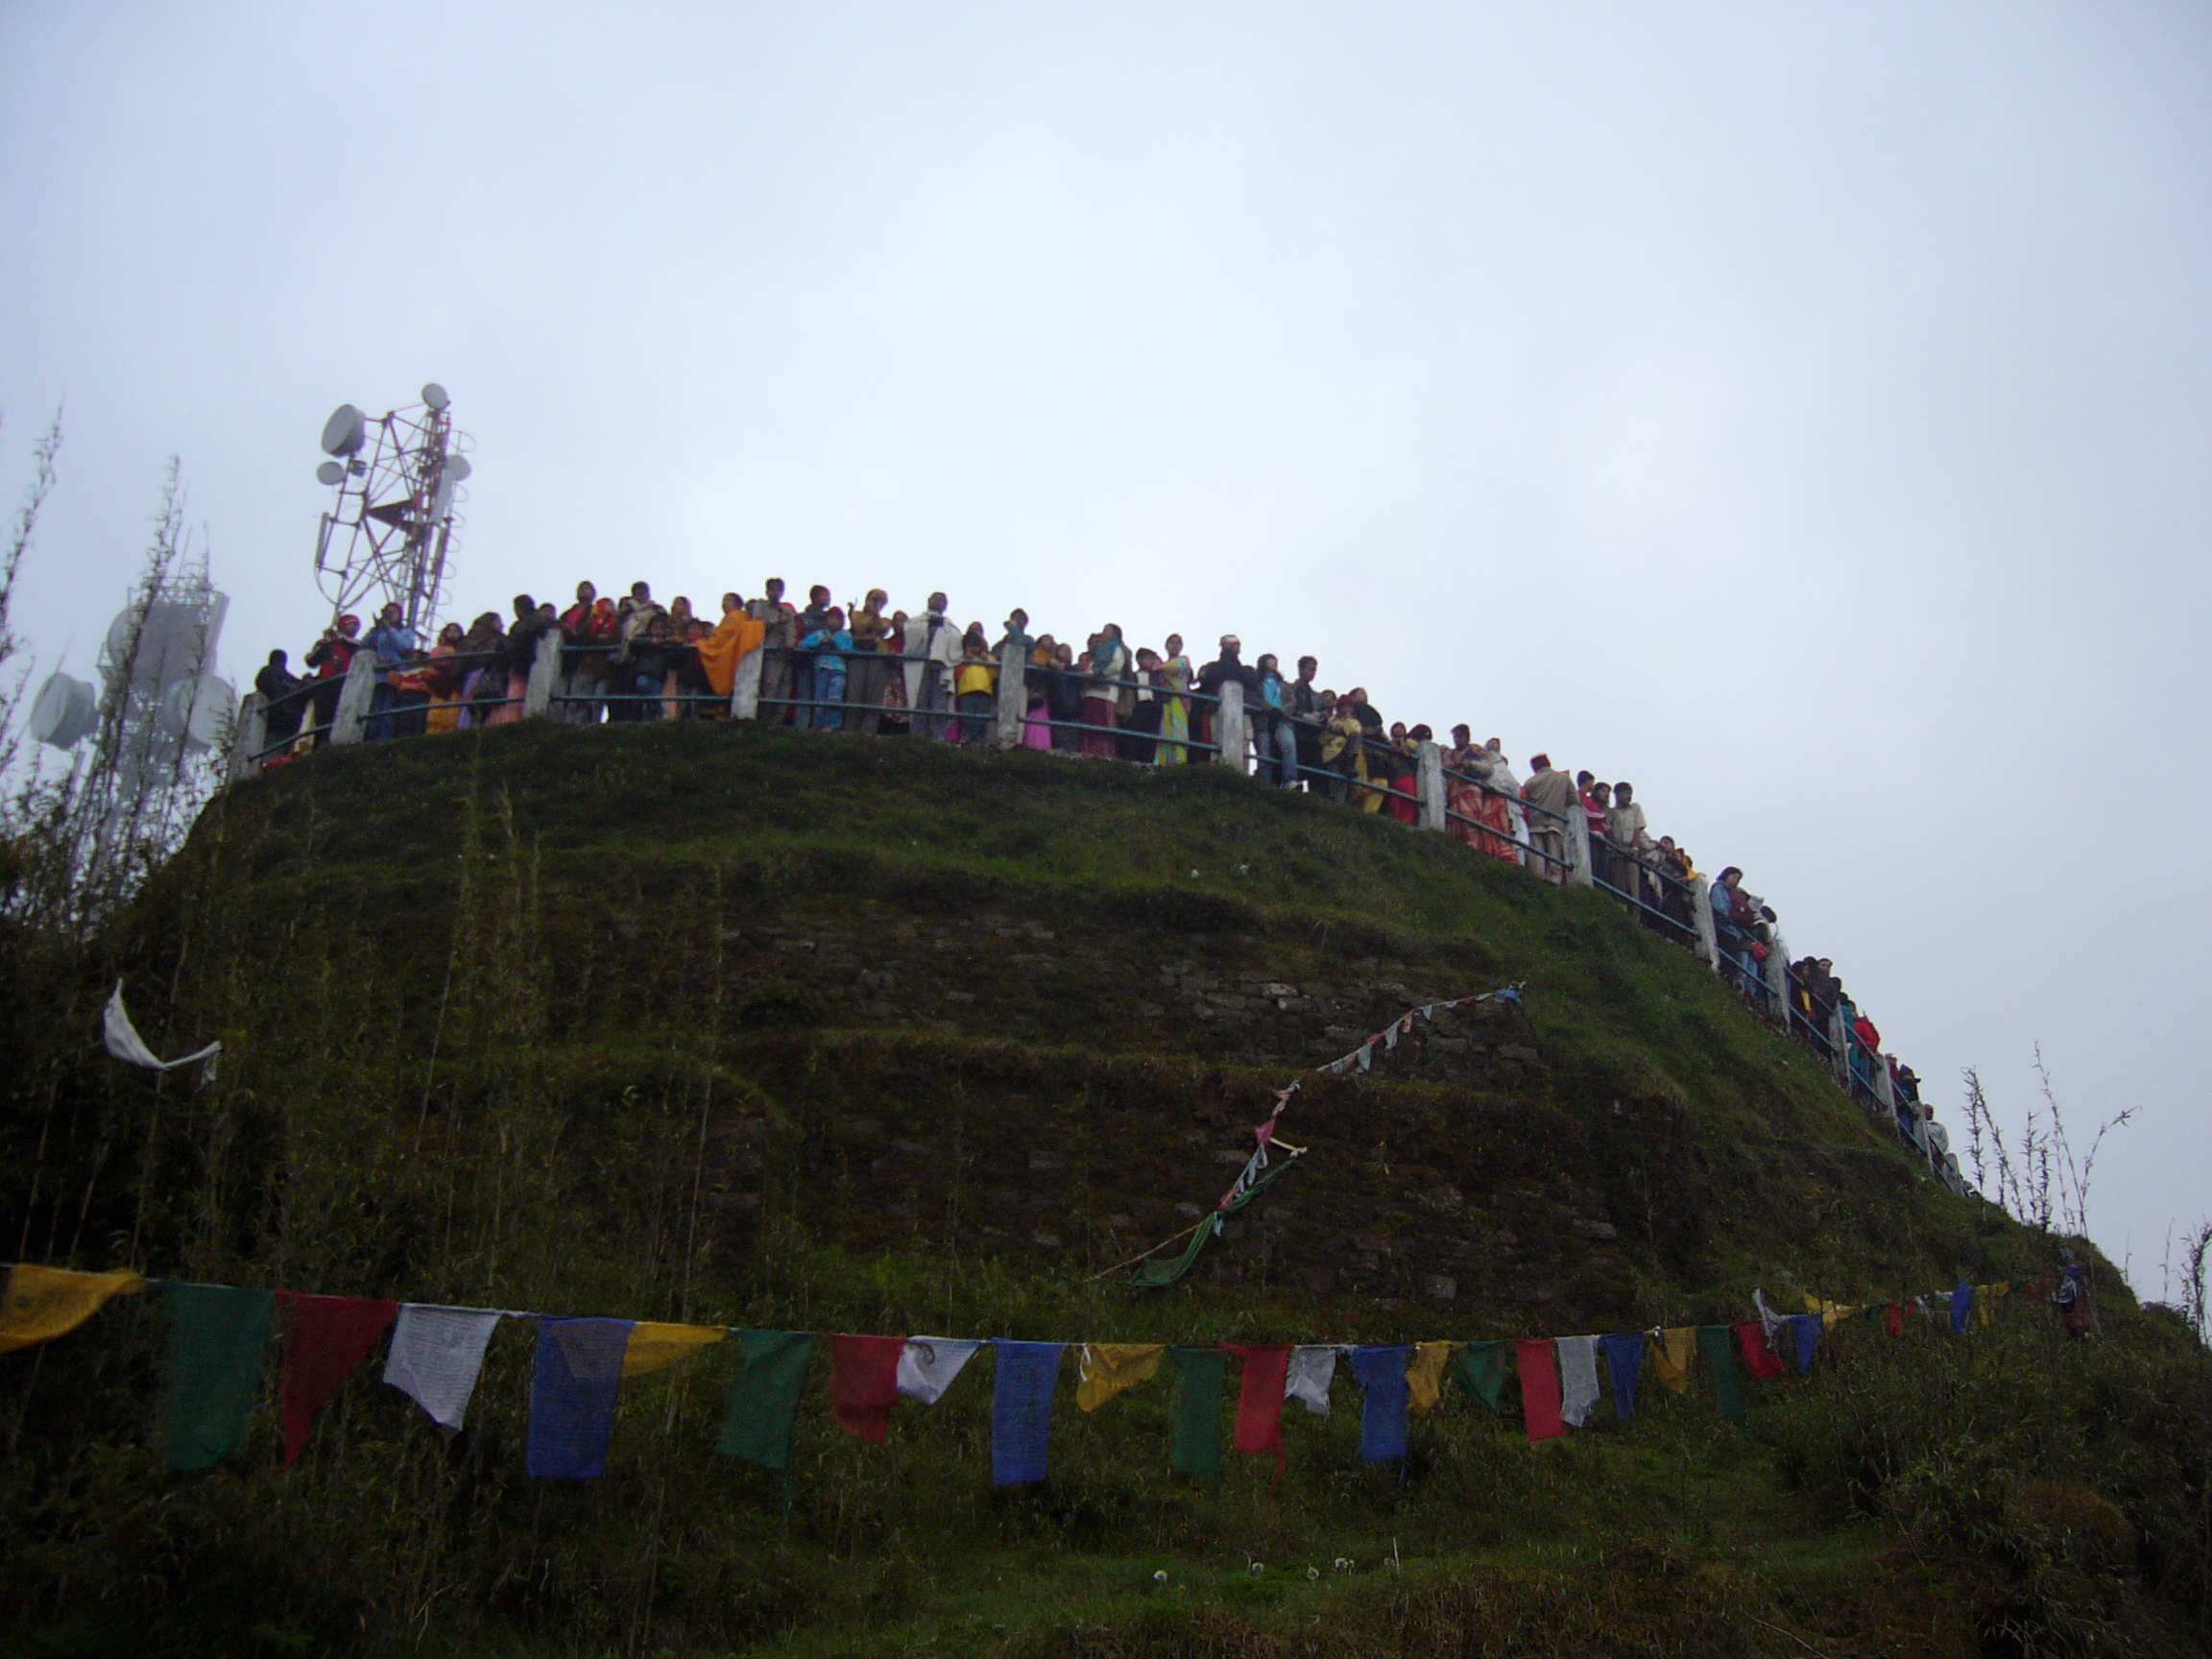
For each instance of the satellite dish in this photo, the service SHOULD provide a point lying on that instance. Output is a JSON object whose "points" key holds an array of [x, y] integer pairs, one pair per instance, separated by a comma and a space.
{"points": [[346, 432], [1939, 1138], [457, 469], [196, 710], [434, 395], [330, 472], [64, 712]]}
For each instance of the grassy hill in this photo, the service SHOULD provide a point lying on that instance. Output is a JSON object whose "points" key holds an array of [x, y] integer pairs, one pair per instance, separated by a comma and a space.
{"points": [[776, 1030]]}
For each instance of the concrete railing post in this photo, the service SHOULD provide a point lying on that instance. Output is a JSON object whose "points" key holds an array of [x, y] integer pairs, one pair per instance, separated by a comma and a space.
{"points": [[1430, 770], [360, 690], [248, 736], [1013, 696], [1701, 916], [1778, 976], [1882, 1090], [1579, 871], [1229, 725], [1839, 1046], [745, 685], [545, 676]]}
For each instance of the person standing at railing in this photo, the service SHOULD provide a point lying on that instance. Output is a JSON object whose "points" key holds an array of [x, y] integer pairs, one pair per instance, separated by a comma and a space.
{"points": [[864, 673], [1474, 810], [932, 647], [1310, 711], [1630, 835], [735, 638], [520, 653], [1064, 699], [1554, 795], [484, 677], [1401, 773], [1227, 668], [441, 678], [828, 647], [393, 644], [1106, 664], [779, 632], [811, 621], [331, 657], [283, 707], [1176, 710], [1274, 736], [1343, 749], [975, 688], [579, 667]]}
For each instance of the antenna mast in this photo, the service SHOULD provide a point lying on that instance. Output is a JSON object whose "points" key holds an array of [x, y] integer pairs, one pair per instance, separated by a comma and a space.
{"points": [[389, 537]]}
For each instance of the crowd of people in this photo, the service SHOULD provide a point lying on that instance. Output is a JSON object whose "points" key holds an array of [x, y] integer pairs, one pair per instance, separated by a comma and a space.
{"points": [[860, 668]]}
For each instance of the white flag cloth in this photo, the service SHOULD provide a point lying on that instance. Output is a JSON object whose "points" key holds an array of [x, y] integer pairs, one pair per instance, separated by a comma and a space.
{"points": [[127, 1047], [436, 1354], [928, 1365], [1578, 1379], [1769, 1321], [1313, 1368]]}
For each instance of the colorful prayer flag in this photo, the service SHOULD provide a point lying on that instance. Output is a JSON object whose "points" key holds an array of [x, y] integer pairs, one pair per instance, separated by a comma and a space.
{"points": [[1313, 1368], [43, 1303], [763, 1398], [1425, 1377], [1624, 1363], [216, 1337], [1260, 1396], [1382, 1373], [1537, 1361], [1961, 1305], [1105, 1369], [1021, 1410], [1194, 1410], [1481, 1370], [325, 1338], [1805, 1328], [572, 1391], [928, 1365], [1763, 1362], [1716, 1346], [864, 1383], [653, 1344], [436, 1355], [1578, 1380], [1671, 1351]]}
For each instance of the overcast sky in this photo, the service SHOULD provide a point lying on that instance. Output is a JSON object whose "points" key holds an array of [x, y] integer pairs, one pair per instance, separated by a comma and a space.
{"points": [[1802, 411]]}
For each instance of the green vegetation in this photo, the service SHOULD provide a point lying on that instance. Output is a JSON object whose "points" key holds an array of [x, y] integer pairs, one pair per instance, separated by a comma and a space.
{"points": [[705, 1024]]}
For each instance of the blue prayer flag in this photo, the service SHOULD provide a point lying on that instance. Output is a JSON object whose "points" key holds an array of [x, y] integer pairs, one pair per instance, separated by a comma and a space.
{"points": [[1021, 1409], [1625, 1360], [572, 1396], [1961, 1305], [1807, 1329], [1382, 1373]]}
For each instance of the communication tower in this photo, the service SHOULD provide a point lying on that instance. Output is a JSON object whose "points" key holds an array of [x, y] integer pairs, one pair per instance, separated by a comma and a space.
{"points": [[389, 538]]}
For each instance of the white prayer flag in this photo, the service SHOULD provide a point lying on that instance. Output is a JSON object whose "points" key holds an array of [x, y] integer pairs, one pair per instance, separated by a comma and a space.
{"points": [[1313, 1368], [1578, 1377], [928, 1365], [436, 1355], [127, 1045]]}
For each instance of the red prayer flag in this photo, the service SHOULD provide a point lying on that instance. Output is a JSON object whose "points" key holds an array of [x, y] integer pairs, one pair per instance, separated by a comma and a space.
{"points": [[1896, 1320], [1260, 1397], [1764, 1362], [864, 1383], [325, 1338], [1539, 1364]]}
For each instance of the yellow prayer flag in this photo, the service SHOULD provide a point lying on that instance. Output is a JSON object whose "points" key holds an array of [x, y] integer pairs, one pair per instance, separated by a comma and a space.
{"points": [[653, 1345], [43, 1302], [1425, 1376], [1672, 1354], [1104, 1369]]}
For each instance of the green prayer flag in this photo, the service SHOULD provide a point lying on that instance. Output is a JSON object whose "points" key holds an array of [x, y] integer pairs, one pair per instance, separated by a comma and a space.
{"points": [[217, 1336], [1481, 1369], [1159, 1272], [1716, 1346], [764, 1397], [1194, 1416]]}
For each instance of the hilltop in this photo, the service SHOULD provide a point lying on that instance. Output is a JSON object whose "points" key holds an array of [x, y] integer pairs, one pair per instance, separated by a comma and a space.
{"points": [[771, 1029]]}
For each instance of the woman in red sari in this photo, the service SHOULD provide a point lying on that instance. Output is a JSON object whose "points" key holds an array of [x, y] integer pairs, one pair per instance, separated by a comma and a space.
{"points": [[1467, 769]]}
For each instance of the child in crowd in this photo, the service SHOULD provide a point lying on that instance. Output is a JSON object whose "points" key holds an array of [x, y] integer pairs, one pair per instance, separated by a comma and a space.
{"points": [[831, 643]]}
